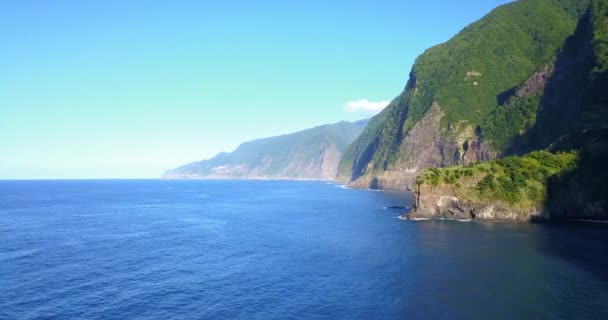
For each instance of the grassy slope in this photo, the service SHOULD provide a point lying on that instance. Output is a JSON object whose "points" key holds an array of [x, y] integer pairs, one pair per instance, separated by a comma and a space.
{"points": [[499, 52], [574, 179], [515, 181]]}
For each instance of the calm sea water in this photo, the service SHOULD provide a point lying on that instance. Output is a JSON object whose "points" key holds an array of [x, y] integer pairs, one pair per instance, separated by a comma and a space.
{"points": [[279, 250]]}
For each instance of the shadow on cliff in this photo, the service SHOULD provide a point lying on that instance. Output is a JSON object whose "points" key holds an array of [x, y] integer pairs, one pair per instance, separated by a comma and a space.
{"points": [[573, 114], [565, 94], [361, 162], [582, 192]]}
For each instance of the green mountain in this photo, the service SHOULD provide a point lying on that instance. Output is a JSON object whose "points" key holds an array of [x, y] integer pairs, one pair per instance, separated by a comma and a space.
{"points": [[307, 154], [565, 112], [467, 100]]}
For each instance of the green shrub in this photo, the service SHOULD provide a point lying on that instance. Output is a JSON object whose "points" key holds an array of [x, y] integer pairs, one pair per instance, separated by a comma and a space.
{"points": [[512, 180]]}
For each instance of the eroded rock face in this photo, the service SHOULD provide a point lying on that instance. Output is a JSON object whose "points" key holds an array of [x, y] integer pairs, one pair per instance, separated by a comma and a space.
{"points": [[427, 145], [442, 203], [536, 82], [477, 151], [387, 180], [424, 146]]}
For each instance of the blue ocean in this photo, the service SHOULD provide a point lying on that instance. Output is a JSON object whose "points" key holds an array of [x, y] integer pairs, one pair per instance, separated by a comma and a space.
{"points": [[158, 249]]}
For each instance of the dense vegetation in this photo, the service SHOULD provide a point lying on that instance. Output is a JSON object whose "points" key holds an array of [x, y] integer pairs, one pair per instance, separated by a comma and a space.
{"points": [[570, 117], [520, 181], [509, 122], [599, 11], [470, 77], [491, 56], [371, 141], [585, 189]]}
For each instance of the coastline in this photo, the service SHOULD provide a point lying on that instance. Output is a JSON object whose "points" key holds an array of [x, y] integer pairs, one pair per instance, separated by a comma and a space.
{"points": [[243, 179]]}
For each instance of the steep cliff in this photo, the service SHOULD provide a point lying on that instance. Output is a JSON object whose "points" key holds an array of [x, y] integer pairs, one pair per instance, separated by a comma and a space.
{"points": [[446, 114], [307, 154], [509, 189], [568, 116]]}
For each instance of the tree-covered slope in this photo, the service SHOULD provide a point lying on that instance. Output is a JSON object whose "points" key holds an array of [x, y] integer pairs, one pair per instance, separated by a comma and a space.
{"points": [[455, 87], [512, 188], [307, 154], [570, 120]]}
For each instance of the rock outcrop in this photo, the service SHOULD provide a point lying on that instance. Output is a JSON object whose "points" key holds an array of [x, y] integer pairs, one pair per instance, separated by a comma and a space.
{"points": [[424, 146], [567, 178], [536, 83], [492, 66], [444, 203], [427, 145], [476, 151]]}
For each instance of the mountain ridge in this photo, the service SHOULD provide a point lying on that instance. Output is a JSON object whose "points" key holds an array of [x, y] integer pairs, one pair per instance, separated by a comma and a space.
{"points": [[453, 88], [566, 179], [312, 153]]}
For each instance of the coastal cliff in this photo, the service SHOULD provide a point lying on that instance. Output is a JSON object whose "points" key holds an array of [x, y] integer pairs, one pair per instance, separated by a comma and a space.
{"points": [[539, 186], [309, 154], [509, 189], [568, 119], [466, 100], [443, 203]]}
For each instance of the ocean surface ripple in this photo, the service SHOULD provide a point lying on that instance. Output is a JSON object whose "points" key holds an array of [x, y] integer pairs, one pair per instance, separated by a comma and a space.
{"points": [[155, 249]]}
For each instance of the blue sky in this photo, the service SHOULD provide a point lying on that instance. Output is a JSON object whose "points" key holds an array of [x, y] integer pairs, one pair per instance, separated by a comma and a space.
{"points": [[127, 89]]}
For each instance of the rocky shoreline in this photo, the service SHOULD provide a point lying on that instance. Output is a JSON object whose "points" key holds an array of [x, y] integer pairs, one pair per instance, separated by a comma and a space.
{"points": [[442, 203]]}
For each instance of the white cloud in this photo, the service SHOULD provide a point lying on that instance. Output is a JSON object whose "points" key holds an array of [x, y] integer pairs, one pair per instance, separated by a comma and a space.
{"points": [[365, 106]]}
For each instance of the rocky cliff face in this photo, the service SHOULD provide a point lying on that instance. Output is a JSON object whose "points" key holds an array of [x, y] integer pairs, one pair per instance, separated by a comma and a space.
{"points": [[570, 119], [309, 154], [500, 62], [426, 145], [508, 189], [475, 151], [445, 203]]}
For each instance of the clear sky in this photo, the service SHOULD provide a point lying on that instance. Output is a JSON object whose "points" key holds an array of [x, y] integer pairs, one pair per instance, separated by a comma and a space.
{"points": [[127, 89]]}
